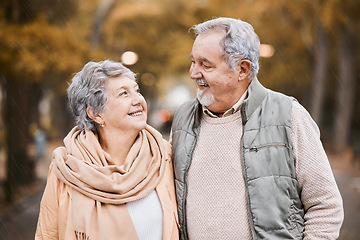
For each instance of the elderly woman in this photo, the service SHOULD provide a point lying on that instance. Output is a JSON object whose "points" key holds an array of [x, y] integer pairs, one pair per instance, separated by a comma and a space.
{"points": [[113, 177]]}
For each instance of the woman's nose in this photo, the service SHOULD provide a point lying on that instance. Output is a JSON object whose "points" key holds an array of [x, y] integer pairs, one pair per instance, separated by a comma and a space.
{"points": [[138, 98]]}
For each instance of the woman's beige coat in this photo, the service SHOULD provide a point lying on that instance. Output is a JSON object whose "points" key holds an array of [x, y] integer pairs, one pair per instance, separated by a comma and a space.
{"points": [[55, 209]]}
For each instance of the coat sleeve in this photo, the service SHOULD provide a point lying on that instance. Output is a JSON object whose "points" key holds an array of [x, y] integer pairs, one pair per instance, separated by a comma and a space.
{"points": [[171, 220], [47, 226], [319, 192]]}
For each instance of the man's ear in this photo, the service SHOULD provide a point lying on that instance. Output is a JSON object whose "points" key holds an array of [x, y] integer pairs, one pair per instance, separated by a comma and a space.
{"points": [[97, 118], [244, 69]]}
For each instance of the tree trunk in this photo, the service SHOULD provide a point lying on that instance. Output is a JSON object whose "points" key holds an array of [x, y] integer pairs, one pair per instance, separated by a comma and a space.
{"points": [[18, 102], [319, 77], [62, 119], [17, 116], [346, 89], [102, 12]]}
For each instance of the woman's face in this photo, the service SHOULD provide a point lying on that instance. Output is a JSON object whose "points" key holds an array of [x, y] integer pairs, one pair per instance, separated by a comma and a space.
{"points": [[126, 108]]}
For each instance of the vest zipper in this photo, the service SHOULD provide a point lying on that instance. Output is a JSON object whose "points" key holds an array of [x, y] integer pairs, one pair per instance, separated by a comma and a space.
{"points": [[242, 160], [185, 231], [257, 148]]}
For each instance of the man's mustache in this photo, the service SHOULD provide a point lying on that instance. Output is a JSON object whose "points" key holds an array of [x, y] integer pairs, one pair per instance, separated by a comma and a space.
{"points": [[202, 82]]}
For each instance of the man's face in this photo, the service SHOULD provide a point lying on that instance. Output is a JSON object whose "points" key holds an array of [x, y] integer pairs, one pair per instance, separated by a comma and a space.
{"points": [[218, 88]]}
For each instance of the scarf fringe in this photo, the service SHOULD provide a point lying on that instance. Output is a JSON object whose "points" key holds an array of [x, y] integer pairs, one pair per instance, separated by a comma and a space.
{"points": [[81, 236]]}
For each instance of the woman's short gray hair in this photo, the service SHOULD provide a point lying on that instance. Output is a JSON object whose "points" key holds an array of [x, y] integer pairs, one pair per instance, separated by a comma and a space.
{"points": [[88, 90], [240, 41]]}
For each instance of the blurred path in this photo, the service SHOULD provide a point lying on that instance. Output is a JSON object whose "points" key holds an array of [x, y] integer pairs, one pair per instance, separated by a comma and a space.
{"points": [[19, 222], [347, 174], [350, 191]]}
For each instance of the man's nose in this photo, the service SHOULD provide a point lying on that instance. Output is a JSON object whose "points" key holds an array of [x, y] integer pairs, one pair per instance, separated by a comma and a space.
{"points": [[195, 73]]}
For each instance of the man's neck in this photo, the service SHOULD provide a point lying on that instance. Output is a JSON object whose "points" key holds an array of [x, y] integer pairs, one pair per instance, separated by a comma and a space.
{"points": [[232, 110]]}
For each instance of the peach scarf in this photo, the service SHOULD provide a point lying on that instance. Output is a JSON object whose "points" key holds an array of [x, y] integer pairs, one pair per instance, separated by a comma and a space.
{"points": [[102, 188]]}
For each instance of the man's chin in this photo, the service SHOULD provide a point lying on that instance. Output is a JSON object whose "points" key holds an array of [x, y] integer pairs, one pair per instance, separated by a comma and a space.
{"points": [[206, 100]]}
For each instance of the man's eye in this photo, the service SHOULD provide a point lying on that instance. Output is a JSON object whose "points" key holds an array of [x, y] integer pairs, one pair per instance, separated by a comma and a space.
{"points": [[123, 93]]}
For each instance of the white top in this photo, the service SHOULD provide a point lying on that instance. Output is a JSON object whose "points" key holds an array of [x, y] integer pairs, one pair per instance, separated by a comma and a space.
{"points": [[146, 214]]}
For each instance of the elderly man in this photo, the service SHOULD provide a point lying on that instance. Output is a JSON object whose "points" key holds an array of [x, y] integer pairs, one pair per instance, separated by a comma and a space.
{"points": [[248, 161]]}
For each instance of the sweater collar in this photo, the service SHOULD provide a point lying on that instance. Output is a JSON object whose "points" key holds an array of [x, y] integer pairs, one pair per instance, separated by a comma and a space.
{"points": [[232, 110]]}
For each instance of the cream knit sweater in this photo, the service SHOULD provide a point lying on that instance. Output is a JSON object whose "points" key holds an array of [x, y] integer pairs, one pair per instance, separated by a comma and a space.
{"points": [[216, 201]]}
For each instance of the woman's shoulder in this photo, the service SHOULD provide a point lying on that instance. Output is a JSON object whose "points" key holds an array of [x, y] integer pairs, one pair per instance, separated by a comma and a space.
{"points": [[59, 151], [167, 147], [54, 184]]}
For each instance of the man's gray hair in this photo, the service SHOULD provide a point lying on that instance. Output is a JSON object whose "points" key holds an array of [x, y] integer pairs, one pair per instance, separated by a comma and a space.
{"points": [[240, 41], [88, 90]]}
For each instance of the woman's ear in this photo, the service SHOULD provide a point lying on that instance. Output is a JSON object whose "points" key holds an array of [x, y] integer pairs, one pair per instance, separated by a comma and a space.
{"points": [[97, 118], [244, 69]]}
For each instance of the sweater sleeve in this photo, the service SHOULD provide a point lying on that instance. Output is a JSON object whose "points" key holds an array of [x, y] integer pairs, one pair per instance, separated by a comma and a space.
{"points": [[319, 192]]}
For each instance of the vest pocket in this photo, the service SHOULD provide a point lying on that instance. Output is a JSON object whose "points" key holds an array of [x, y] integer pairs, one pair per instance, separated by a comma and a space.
{"points": [[269, 159], [257, 148]]}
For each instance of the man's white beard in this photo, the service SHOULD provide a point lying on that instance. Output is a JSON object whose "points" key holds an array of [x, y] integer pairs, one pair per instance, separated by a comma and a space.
{"points": [[205, 100]]}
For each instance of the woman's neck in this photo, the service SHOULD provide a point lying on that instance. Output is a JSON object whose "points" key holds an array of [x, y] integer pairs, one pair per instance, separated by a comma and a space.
{"points": [[117, 144]]}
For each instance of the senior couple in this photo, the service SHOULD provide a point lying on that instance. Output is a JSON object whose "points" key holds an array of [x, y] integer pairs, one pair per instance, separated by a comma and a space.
{"points": [[243, 162]]}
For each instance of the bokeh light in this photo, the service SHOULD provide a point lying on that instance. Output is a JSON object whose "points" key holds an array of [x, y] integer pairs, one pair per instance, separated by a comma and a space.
{"points": [[164, 115], [129, 58], [266, 50]]}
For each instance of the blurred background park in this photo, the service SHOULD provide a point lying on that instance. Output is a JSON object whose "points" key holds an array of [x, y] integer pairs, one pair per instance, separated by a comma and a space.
{"points": [[310, 50]]}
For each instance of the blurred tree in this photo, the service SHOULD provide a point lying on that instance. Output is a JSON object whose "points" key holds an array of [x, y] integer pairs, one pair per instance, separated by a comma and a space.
{"points": [[37, 51], [321, 59], [343, 18], [346, 88], [103, 9]]}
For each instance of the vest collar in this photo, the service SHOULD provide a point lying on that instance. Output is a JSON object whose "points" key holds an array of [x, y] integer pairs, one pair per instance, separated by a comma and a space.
{"points": [[197, 114], [256, 94]]}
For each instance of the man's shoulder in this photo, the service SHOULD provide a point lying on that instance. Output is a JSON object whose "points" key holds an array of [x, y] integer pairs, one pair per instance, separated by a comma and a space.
{"points": [[188, 104], [281, 99], [186, 114], [187, 108], [281, 95]]}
